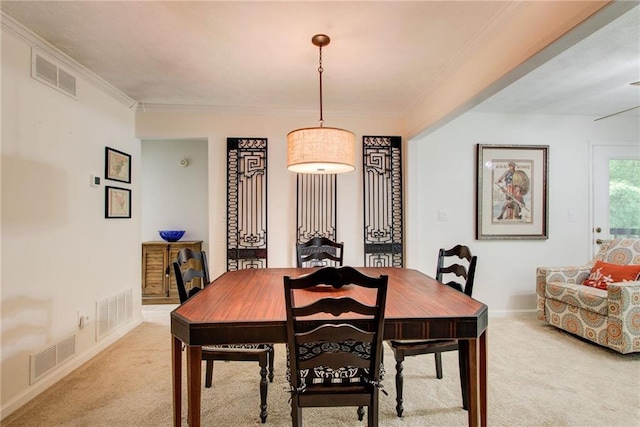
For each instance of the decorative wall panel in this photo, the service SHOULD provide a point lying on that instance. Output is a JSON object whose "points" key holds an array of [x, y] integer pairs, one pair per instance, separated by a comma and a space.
{"points": [[316, 207], [383, 218], [246, 203]]}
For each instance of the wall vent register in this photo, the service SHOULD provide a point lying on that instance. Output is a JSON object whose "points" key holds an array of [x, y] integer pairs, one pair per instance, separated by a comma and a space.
{"points": [[47, 72]]}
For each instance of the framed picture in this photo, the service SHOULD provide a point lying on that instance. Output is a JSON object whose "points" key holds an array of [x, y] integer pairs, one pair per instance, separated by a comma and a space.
{"points": [[511, 192], [117, 165], [117, 202]]}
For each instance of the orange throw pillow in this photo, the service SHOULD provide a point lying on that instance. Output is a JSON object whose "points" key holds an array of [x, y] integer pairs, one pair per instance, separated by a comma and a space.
{"points": [[604, 273]]}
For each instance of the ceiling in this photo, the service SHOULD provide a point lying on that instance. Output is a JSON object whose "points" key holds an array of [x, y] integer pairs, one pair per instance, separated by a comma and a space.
{"points": [[387, 58], [591, 77]]}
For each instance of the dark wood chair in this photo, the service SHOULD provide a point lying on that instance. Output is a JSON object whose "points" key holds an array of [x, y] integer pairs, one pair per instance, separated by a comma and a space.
{"points": [[191, 265], [319, 252], [334, 362], [459, 262]]}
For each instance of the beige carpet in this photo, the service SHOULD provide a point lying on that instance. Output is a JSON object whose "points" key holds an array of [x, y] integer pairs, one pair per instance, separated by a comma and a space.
{"points": [[538, 376]]}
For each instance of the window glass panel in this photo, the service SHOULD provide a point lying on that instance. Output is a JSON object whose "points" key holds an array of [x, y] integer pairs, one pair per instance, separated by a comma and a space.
{"points": [[624, 198]]}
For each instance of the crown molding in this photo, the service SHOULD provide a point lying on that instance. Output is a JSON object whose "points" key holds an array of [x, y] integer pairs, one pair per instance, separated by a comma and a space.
{"points": [[13, 27], [143, 107]]}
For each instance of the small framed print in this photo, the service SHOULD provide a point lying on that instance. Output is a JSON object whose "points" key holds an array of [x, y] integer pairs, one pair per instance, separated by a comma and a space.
{"points": [[117, 202], [117, 165], [511, 192]]}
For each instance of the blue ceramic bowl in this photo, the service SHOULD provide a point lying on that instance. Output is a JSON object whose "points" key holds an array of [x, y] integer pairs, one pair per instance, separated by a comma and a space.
{"points": [[171, 235]]}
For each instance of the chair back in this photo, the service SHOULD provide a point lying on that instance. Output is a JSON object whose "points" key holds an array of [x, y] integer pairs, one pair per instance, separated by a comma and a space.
{"points": [[457, 261], [196, 267], [332, 343], [319, 252], [618, 251]]}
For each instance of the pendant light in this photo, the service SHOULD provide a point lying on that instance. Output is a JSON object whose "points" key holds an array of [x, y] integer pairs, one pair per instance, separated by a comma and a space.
{"points": [[321, 150]]}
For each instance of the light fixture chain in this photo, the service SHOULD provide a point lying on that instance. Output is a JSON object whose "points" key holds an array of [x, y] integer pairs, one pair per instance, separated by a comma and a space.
{"points": [[320, 70]]}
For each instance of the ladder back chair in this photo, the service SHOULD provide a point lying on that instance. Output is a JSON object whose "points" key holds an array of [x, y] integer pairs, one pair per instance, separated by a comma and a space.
{"points": [[319, 252], [185, 272], [187, 259], [335, 362], [459, 262]]}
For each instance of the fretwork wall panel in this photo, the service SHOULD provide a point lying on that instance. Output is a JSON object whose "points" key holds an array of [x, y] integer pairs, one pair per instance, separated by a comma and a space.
{"points": [[383, 218], [316, 207], [246, 203]]}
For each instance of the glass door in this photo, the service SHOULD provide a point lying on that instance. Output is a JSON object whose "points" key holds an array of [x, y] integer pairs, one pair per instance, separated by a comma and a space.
{"points": [[616, 192]]}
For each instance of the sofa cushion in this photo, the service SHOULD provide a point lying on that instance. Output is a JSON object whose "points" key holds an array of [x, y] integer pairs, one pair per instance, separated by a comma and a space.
{"points": [[604, 273], [577, 295]]}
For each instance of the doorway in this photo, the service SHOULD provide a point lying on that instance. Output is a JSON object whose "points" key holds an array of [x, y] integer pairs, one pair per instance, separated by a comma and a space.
{"points": [[174, 196]]}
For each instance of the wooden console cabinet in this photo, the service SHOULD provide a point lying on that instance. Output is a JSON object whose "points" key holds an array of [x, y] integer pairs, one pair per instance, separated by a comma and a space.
{"points": [[158, 278]]}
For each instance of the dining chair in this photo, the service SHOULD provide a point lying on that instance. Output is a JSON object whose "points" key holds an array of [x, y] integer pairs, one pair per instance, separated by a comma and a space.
{"points": [[335, 362], [319, 252], [190, 265], [461, 264], [184, 258]]}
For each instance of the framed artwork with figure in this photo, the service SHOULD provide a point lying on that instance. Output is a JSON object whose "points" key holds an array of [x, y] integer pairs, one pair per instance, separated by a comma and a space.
{"points": [[511, 192], [117, 202], [117, 165]]}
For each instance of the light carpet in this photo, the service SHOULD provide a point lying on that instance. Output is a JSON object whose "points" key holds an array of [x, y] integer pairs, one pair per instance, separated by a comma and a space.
{"points": [[537, 376]]}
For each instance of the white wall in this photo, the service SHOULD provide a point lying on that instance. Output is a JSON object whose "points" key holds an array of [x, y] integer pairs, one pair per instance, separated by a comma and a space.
{"points": [[59, 254], [439, 176], [175, 197], [442, 178], [281, 183]]}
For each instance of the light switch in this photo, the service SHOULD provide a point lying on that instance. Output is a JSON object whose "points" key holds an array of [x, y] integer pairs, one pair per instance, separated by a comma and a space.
{"points": [[572, 216]]}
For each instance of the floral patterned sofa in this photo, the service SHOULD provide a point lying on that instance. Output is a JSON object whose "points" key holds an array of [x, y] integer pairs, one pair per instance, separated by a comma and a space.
{"points": [[608, 317]]}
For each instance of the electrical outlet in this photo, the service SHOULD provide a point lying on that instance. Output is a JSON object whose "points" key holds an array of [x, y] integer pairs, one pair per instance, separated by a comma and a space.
{"points": [[443, 216]]}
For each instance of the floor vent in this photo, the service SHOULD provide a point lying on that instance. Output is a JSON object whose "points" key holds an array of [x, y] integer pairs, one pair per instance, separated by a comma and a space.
{"points": [[50, 357], [112, 312], [47, 72]]}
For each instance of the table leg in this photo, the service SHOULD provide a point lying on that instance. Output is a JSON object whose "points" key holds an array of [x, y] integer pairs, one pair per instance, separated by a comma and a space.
{"points": [[483, 378], [472, 354], [176, 364], [194, 380], [477, 377]]}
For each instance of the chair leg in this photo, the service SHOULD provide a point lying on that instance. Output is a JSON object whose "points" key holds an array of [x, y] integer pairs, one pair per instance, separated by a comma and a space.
{"points": [[209, 374], [372, 411], [464, 372], [271, 357], [438, 365], [296, 412], [399, 381], [263, 388]]}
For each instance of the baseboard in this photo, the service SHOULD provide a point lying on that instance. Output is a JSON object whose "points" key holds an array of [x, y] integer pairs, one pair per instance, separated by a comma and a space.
{"points": [[30, 393]]}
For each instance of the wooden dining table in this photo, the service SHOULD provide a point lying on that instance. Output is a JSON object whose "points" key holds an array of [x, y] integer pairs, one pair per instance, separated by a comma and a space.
{"points": [[247, 306]]}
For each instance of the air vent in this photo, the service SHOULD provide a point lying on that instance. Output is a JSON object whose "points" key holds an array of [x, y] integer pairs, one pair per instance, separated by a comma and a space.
{"points": [[66, 82], [112, 312], [47, 72], [50, 357]]}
